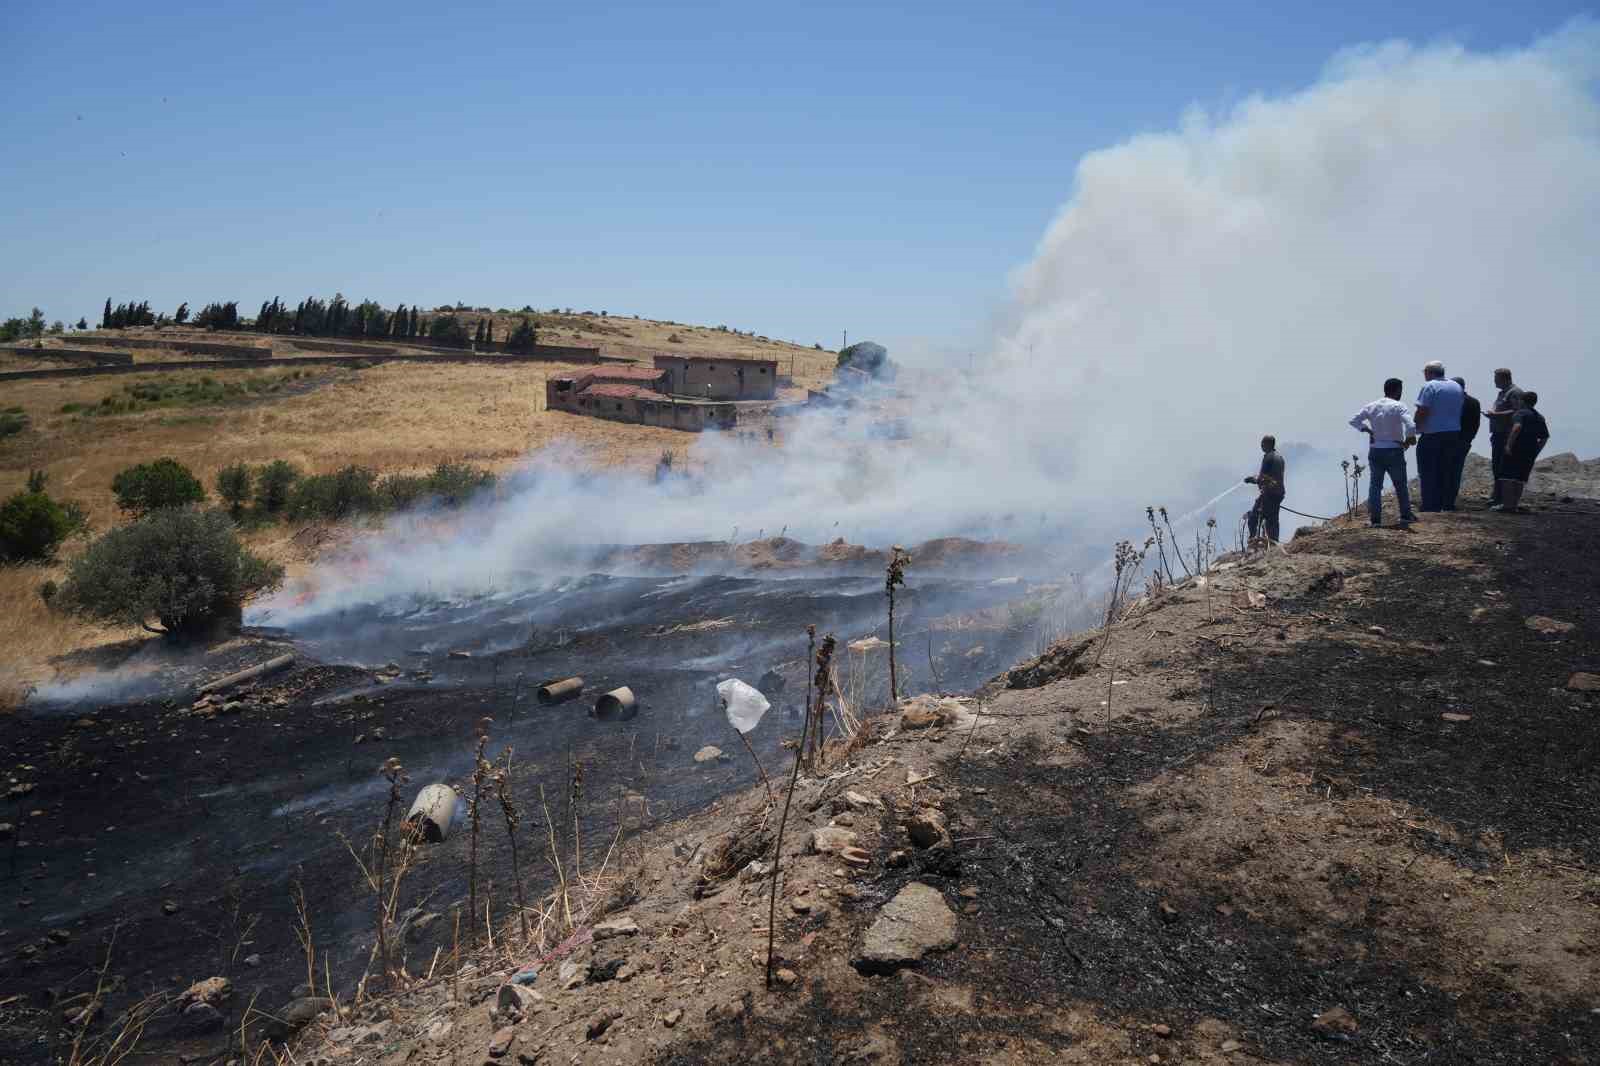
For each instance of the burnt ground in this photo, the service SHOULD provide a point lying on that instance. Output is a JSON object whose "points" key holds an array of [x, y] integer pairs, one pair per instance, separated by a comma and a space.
{"points": [[186, 832], [1240, 810], [1287, 824]]}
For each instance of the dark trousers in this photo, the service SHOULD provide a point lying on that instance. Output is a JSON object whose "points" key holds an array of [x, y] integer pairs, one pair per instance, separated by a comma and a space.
{"points": [[1263, 517], [1497, 447], [1438, 469], [1390, 461], [1463, 448]]}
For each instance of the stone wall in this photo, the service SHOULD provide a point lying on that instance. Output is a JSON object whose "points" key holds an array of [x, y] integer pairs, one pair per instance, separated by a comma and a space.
{"points": [[71, 355]]}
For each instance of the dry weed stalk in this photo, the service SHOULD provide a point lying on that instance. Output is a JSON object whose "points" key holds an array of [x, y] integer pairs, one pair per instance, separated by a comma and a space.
{"points": [[822, 681], [302, 932], [1127, 563], [480, 773], [811, 653], [899, 559], [513, 819], [783, 819], [1176, 548], [394, 773], [123, 1039]]}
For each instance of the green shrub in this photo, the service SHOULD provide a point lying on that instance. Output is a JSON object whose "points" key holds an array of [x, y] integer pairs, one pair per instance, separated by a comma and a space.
{"points": [[233, 485], [13, 420], [274, 482], [453, 484], [524, 338], [153, 486], [182, 567], [32, 526], [349, 491], [447, 329], [399, 491]]}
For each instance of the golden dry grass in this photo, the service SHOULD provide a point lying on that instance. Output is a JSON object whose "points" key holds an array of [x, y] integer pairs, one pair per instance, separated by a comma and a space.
{"points": [[391, 417]]}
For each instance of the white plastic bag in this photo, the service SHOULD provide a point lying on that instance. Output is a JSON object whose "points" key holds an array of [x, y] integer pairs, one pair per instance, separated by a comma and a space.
{"points": [[743, 705]]}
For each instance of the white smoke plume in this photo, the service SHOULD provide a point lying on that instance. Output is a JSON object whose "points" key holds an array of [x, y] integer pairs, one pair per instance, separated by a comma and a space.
{"points": [[1261, 269]]}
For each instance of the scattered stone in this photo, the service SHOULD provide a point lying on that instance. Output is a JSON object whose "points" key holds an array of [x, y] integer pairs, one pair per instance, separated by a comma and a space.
{"points": [[1161, 1030], [1452, 717], [786, 977], [1231, 1045], [6, 829], [602, 1021], [517, 1001], [898, 858], [169, 908], [969, 893], [845, 820], [59, 936], [1167, 911], [855, 857], [671, 1018], [912, 924], [252, 960], [19, 790], [202, 1016], [421, 925], [1335, 1023], [438, 1032], [460, 654], [501, 1041], [573, 974], [212, 990], [616, 927], [1582, 682], [1377, 631], [971, 909], [800, 906], [859, 801], [709, 753], [1225, 909], [927, 829], [831, 840], [1549, 626]]}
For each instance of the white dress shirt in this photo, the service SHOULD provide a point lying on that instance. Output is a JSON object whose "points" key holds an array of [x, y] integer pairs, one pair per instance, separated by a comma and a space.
{"points": [[1389, 420]]}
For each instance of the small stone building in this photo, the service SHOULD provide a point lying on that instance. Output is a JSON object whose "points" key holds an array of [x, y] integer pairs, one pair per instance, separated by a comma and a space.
{"points": [[635, 394], [729, 378]]}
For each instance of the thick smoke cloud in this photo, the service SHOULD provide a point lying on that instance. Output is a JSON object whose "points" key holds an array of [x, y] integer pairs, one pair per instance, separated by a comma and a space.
{"points": [[1264, 269], [1261, 269]]}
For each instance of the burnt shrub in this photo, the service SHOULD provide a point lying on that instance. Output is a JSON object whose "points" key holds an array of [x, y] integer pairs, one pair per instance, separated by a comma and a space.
{"points": [[350, 491], [13, 420], [177, 570], [274, 482], [154, 486]]}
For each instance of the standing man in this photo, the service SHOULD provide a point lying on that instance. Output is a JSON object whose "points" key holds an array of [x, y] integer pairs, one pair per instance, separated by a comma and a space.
{"points": [[1387, 424], [1527, 439], [1439, 419], [1506, 403], [1269, 480], [1471, 422]]}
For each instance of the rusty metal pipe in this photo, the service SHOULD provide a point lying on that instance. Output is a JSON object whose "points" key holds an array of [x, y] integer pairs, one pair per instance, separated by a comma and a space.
{"points": [[618, 703], [560, 691]]}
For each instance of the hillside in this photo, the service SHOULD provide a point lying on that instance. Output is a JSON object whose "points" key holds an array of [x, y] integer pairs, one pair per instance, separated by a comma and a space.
{"points": [[1336, 806], [392, 418]]}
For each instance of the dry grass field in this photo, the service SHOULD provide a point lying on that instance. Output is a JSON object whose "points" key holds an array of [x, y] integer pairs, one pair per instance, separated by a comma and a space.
{"points": [[394, 417]]}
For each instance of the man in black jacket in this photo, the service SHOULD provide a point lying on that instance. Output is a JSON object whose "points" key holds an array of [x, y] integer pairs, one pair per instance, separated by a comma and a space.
{"points": [[1471, 420], [1506, 404]]}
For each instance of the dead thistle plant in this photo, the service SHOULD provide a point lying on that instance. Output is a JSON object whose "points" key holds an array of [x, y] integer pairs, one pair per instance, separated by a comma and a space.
{"points": [[899, 559], [480, 773], [513, 818]]}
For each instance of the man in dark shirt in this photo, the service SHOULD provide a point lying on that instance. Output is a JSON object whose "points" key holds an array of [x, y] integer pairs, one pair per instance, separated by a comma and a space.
{"points": [[1269, 480], [1527, 439], [1471, 420], [1506, 403]]}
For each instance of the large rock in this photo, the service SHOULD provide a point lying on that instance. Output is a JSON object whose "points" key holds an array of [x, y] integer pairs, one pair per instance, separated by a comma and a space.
{"points": [[1582, 682], [709, 754], [912, 924], [616, 927], [299, 1013], [927, 829]]}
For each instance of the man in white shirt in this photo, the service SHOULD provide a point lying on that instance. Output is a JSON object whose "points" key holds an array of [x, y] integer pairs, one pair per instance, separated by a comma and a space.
{"points": [[1387, 424]]}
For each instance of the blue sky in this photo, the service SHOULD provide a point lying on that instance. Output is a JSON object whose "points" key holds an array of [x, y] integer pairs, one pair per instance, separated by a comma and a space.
{"points": [[795, 169]]}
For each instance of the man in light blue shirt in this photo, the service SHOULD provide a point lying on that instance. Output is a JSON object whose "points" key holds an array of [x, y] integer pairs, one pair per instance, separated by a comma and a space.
{"points": [[1438, 459], [1387, 424]]}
